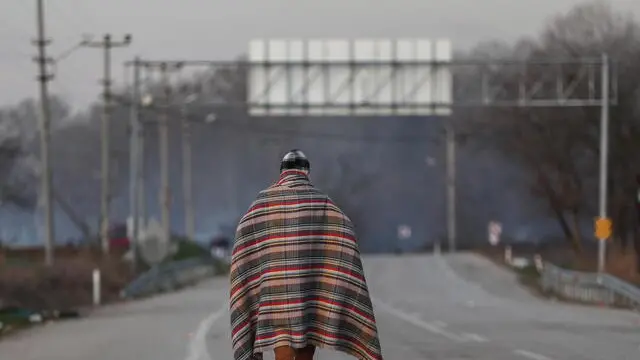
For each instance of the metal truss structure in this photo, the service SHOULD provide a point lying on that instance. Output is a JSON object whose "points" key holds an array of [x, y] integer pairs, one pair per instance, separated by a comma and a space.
{"points": [[548, 83], [478, 83]]}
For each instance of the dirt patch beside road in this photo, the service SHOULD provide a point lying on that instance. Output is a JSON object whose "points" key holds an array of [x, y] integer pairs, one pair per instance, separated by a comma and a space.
{"points": [[28, 287]]}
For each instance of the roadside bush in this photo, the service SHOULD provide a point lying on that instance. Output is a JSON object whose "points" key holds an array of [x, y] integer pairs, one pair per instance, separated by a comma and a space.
{"points": [[189, 249]]}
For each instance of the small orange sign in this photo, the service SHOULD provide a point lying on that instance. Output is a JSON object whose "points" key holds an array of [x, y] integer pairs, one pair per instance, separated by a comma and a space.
{"points": [[603, 228]]}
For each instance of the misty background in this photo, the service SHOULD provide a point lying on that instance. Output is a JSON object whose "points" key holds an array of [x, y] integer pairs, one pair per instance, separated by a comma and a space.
{"points": [[384, 172]]}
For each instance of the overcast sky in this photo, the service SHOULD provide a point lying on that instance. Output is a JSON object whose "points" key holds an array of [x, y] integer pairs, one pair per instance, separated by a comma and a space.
{"points": [[219, 29]]}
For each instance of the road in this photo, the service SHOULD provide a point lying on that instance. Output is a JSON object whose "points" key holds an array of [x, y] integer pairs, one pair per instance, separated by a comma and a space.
{"points": [[428, 307]]}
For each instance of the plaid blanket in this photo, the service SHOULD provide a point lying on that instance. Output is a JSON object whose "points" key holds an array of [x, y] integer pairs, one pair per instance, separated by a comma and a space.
{"points": [[297, 277]]}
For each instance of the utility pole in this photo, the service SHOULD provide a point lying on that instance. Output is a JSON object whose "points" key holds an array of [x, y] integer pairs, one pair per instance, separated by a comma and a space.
{"points": [[604, 157], [142, 190], [163, 141], [134, 167], [106, 45], [187, 182], [45, 137], [451, 184]]}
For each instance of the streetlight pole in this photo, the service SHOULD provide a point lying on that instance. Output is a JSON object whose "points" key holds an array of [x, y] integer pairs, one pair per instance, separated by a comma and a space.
{"points": [[65, 54]]}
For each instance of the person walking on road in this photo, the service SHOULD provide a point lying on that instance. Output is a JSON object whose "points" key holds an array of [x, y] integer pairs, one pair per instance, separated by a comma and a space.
{"points": [[297, 281]]}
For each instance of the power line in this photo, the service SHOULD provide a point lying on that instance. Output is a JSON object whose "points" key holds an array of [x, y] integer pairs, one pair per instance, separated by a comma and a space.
{"points": [[279, 132]]}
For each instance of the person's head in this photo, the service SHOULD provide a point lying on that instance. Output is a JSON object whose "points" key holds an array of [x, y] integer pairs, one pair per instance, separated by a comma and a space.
{"points": [[295, 160]]}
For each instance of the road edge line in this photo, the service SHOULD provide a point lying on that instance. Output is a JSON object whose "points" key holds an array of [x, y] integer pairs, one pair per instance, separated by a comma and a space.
{"points": [[197, 348]]}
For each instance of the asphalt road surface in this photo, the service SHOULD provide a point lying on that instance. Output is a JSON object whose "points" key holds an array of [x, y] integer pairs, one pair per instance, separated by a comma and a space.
{"points": [[427, 307]]}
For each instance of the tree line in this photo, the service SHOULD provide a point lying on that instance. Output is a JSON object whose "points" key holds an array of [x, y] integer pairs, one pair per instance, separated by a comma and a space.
{"points": [[556, 148], [560, 147]]}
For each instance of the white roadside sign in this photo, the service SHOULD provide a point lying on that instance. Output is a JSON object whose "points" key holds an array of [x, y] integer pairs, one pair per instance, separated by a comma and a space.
{"points": [[404, 232], [495, 230]]}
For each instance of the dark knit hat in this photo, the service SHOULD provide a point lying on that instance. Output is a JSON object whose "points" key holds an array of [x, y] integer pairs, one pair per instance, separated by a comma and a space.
{"points": [[295, 159]]}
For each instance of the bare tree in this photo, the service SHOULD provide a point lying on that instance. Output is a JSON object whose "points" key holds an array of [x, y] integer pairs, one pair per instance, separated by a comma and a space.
{"points": [[589, 30], [560, 146]]}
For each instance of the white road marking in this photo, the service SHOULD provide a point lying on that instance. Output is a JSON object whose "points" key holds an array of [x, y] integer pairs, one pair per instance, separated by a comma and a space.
{"points": [[475, 337], [197, 349], [530, 355], [440, 323], [417, 322]]}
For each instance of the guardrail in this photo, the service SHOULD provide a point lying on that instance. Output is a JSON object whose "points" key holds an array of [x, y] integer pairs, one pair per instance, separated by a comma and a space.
{"points": [[627, 295], [589, 287], [170, 276]]}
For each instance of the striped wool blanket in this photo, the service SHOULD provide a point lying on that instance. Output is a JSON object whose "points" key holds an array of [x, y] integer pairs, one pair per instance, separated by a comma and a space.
{"points": [[297, 277]]}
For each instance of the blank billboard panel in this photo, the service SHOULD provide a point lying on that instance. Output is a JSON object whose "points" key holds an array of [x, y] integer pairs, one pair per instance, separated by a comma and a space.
{"points": [[338, 77]]}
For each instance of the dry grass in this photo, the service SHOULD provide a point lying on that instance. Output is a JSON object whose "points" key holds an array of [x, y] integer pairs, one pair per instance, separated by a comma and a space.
{"points": [[64, 286], [619, 263], [623, 264]]}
